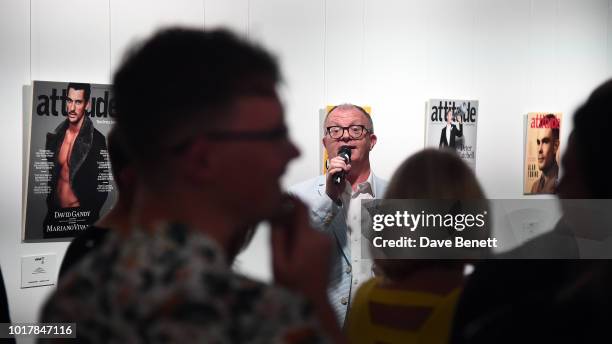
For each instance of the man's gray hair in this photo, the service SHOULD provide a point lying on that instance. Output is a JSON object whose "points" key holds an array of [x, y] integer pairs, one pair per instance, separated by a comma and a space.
{"points": [[348, 106]]}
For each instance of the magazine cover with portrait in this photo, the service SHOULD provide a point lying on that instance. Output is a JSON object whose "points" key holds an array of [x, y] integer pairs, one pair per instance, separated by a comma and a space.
{"points": [[451, 124], [542, 153], [68, 183]]}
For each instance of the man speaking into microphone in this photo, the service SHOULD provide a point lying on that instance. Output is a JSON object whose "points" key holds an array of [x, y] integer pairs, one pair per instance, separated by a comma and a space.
{"points": [[335, 198]]}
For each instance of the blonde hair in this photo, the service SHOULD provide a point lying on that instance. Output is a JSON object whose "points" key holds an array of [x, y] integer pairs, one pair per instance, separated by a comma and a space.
{"points": [[429, 174], [434, 174]]}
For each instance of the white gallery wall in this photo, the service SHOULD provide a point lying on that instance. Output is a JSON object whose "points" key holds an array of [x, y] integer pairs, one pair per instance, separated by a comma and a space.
{"points": [[513, 56]]}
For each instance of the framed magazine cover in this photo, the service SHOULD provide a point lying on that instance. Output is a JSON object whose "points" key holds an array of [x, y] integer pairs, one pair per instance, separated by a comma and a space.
{"points": [[542, 153], [452, 124], [68, 182]]}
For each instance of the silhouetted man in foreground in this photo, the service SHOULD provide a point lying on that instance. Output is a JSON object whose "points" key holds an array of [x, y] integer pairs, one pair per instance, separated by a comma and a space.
{"points": [[554, 300], [204, 128]]}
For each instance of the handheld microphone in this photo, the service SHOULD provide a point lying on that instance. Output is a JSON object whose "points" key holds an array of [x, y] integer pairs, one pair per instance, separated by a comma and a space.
{"points": [[345, 154]]}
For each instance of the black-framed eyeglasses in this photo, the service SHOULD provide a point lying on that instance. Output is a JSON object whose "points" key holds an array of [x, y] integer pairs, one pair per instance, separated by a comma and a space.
{"points": [[354, 131], [279, 133]]}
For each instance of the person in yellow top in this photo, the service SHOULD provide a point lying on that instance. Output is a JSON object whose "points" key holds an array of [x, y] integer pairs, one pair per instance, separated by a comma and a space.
{"points": [[411, 300]]}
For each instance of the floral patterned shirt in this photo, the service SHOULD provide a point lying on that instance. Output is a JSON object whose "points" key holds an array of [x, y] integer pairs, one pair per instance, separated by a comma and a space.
{"points": [[174, 285]]}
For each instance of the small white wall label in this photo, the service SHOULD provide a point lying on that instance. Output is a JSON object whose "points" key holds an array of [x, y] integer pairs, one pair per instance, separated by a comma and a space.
{"points": [[37, 271]]}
